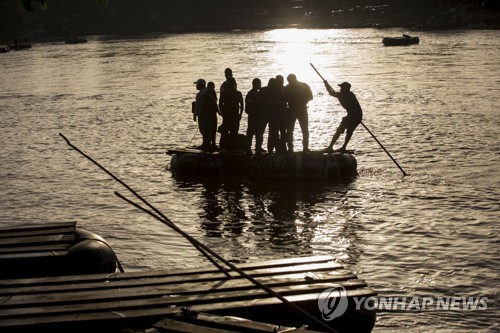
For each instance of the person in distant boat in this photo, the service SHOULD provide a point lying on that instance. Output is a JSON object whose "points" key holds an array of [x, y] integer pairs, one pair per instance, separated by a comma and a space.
{"points": [[253, 109], [200, 113], [213, 110], [231, 108], [354, 113], [297, 94]]}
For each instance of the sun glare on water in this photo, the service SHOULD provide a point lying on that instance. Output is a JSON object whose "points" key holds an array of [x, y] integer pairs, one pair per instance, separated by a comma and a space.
{"points": [[295, 49]]}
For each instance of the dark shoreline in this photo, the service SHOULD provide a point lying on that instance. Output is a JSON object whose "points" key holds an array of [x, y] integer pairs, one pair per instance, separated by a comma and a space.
{"points": [[483, 20]]}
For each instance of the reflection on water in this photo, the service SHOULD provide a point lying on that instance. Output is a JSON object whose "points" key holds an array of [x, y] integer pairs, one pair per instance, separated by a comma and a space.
{"points": [[126, 101], [260, 217]]}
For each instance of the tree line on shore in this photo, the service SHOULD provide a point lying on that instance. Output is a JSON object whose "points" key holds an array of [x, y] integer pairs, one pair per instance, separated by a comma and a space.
{"points": [[59, 18]]}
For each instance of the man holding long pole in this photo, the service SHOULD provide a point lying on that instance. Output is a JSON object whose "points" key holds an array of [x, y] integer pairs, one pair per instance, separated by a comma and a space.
{"points": [[354, 113], [351, 104]]}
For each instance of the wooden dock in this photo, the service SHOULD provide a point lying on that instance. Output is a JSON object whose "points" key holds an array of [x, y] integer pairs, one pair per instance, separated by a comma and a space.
{"points": [[31, 249], [53, 249], [138, 300]]}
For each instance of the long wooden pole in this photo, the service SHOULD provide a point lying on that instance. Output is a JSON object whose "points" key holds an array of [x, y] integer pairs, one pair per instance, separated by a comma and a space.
{"points": [[239, 271], [207, 250], [392, 158], [173, 226]]}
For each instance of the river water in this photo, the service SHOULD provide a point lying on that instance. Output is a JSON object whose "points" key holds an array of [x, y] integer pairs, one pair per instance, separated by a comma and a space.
{"points": [[125, 101]]}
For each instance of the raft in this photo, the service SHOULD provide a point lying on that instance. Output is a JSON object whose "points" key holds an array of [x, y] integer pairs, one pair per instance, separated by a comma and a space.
{"points": [[53, 249], [400, 41], [76, 40], [170, 299], [18, 47], [297, 166]]}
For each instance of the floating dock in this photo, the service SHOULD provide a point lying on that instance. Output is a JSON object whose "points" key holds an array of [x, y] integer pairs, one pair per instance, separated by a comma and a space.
{"points": [[53, 249], [25, 250], [141, 300]]}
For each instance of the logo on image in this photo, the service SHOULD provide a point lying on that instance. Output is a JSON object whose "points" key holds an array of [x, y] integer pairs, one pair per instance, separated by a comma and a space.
{"points": [[332, 303]]}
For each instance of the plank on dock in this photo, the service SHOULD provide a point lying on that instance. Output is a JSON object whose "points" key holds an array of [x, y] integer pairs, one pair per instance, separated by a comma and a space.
{"points": [[38, 237], [76, 300], [192, 321], [319, 263], [35, 249]]}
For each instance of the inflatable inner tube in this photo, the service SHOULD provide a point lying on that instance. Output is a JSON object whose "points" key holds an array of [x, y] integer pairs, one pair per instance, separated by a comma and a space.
{"points": [[197, 164], [90, 254], [303, 167], [294, 166]]}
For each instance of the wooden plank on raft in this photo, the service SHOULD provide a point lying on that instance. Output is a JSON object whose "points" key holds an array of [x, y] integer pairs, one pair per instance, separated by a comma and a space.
{"points": [[38, 230], [325, 263], [32, 255], [144, 285], [83, 299], [323, 272], [36, 240], [37, 237], [201, 321], [175, 294], [37, 226], [35, 249], [77, 319], [173, 325]]}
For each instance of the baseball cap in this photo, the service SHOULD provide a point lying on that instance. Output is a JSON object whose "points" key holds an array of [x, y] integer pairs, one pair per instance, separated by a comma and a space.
{"points": [[345, 84]]}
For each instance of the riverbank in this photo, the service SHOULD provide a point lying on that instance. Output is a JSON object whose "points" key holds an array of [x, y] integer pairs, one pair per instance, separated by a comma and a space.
{"points": [[366, 17], [452, 19]]}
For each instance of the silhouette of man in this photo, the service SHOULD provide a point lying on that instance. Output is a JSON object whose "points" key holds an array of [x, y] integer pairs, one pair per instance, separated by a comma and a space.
{"points": [[297, 94], [231, 108], [354, 113], [271, 109], [200, 113], [213, 110], [280, 84], [228, 73], [252, 108]]}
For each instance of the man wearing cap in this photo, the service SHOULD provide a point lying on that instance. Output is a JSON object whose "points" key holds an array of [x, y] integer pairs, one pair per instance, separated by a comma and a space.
{"points": [[354, 113], [200, 113]]}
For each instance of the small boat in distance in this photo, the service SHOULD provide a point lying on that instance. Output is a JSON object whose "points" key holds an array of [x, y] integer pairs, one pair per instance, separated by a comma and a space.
{"points": [[400, 41], [18, 47], [20, 44], [76, 40], [4, 49]]}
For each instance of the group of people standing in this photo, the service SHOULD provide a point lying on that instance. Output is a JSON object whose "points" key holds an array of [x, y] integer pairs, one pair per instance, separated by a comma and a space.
{"points": [[275, 106]]}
